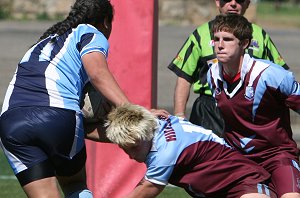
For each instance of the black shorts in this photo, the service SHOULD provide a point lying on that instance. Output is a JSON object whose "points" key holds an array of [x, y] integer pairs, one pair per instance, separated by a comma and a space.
{"points": [[205, 113], [41, 142]]}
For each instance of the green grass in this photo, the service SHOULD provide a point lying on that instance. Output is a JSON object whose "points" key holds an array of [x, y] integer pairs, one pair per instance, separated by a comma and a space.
{"points": [[10, 187], [173, 192], [285, 15]]}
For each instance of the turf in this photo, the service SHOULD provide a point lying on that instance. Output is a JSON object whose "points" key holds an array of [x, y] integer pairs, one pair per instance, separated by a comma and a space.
{"points": [[10, 187]]}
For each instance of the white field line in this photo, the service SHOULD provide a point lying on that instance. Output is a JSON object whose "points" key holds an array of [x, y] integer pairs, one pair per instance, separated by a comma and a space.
{"points": [[8, 177]]}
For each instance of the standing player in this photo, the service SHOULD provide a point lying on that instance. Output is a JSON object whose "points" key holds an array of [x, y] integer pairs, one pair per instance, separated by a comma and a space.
{"points": [[186, 155], [255, 96], [197, 55], [41, 125]]}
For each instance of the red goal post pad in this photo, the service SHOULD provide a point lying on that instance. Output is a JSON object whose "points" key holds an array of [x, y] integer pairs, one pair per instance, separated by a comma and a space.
{"points": [[133, 61]]}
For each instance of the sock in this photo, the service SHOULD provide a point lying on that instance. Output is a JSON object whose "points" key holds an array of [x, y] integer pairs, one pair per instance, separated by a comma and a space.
{"points": [[81, 194]]}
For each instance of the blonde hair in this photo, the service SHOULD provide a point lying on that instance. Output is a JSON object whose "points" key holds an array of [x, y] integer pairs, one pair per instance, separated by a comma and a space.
{"points": [[129, 124]]}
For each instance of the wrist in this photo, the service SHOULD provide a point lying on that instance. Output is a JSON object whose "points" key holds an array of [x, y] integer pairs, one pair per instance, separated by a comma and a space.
{"points": [[180, 114]]}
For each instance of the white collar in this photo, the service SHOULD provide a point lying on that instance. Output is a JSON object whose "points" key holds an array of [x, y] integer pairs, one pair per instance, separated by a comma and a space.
{"points": [[246, 66]]}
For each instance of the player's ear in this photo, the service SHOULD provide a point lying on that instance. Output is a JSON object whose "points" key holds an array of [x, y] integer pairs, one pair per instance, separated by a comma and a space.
{"points": [[245, 43]]}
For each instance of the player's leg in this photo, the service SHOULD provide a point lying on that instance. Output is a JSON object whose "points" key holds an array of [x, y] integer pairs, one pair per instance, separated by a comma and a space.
{"points": [[246, 189], [20, 143], [43, 188], [75, 186], [286, 180], [255, 195], [290, 195], [42, 142], [71, 176], [70, 161], [37, 181]]}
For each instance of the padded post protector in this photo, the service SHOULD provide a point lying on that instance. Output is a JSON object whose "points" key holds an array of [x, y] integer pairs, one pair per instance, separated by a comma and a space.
{"points": [[133, 61]]}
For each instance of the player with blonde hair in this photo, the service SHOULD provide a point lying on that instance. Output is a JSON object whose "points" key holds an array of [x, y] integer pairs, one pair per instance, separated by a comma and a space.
{"points": [[130, 123], [177, 152]]}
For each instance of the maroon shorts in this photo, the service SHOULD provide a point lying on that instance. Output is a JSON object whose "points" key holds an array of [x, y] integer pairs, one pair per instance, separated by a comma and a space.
{"points": [[286, 179]]}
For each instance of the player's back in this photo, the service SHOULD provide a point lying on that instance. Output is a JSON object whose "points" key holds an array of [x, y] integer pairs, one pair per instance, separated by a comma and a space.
{"points": [[200, 158]]}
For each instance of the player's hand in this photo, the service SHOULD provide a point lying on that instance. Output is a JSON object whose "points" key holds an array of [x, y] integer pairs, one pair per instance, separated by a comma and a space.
{"points": [[160, 112]]}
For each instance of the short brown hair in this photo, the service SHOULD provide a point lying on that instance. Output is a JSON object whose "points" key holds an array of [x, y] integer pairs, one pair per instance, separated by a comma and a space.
{"points": [[236, 24]]}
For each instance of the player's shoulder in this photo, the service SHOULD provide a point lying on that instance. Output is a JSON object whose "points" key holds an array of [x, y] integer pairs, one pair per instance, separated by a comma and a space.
{"points": [[272, 71], [270, 64], [87, 29]]}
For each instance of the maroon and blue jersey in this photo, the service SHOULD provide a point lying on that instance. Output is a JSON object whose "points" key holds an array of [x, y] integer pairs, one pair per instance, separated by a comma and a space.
{"points": [[256, 111], [197, 160]]}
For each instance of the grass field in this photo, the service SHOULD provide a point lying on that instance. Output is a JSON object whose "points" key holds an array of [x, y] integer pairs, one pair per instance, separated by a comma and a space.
{"points": [[10, 188], [287, 15]]}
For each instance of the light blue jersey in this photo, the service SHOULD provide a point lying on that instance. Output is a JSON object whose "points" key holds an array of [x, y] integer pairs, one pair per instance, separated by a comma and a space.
{"points": [[52, 73], [171, 139], [194, 158]]}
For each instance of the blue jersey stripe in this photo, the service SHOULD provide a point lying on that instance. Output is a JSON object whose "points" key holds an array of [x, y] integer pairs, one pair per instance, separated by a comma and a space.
{"points": [[51, 73]]}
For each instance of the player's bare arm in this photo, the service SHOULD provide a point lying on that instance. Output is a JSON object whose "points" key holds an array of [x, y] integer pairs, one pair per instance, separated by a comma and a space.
{"points": [[145, 189], [97, 69], [95, 132]]}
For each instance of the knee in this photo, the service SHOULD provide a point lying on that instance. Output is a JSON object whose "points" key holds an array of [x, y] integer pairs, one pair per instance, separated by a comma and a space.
{"points": [[290, 195]]}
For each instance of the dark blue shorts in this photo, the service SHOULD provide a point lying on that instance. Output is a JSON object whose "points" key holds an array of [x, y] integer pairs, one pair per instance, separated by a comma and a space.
{"points": [[41, 142]]}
